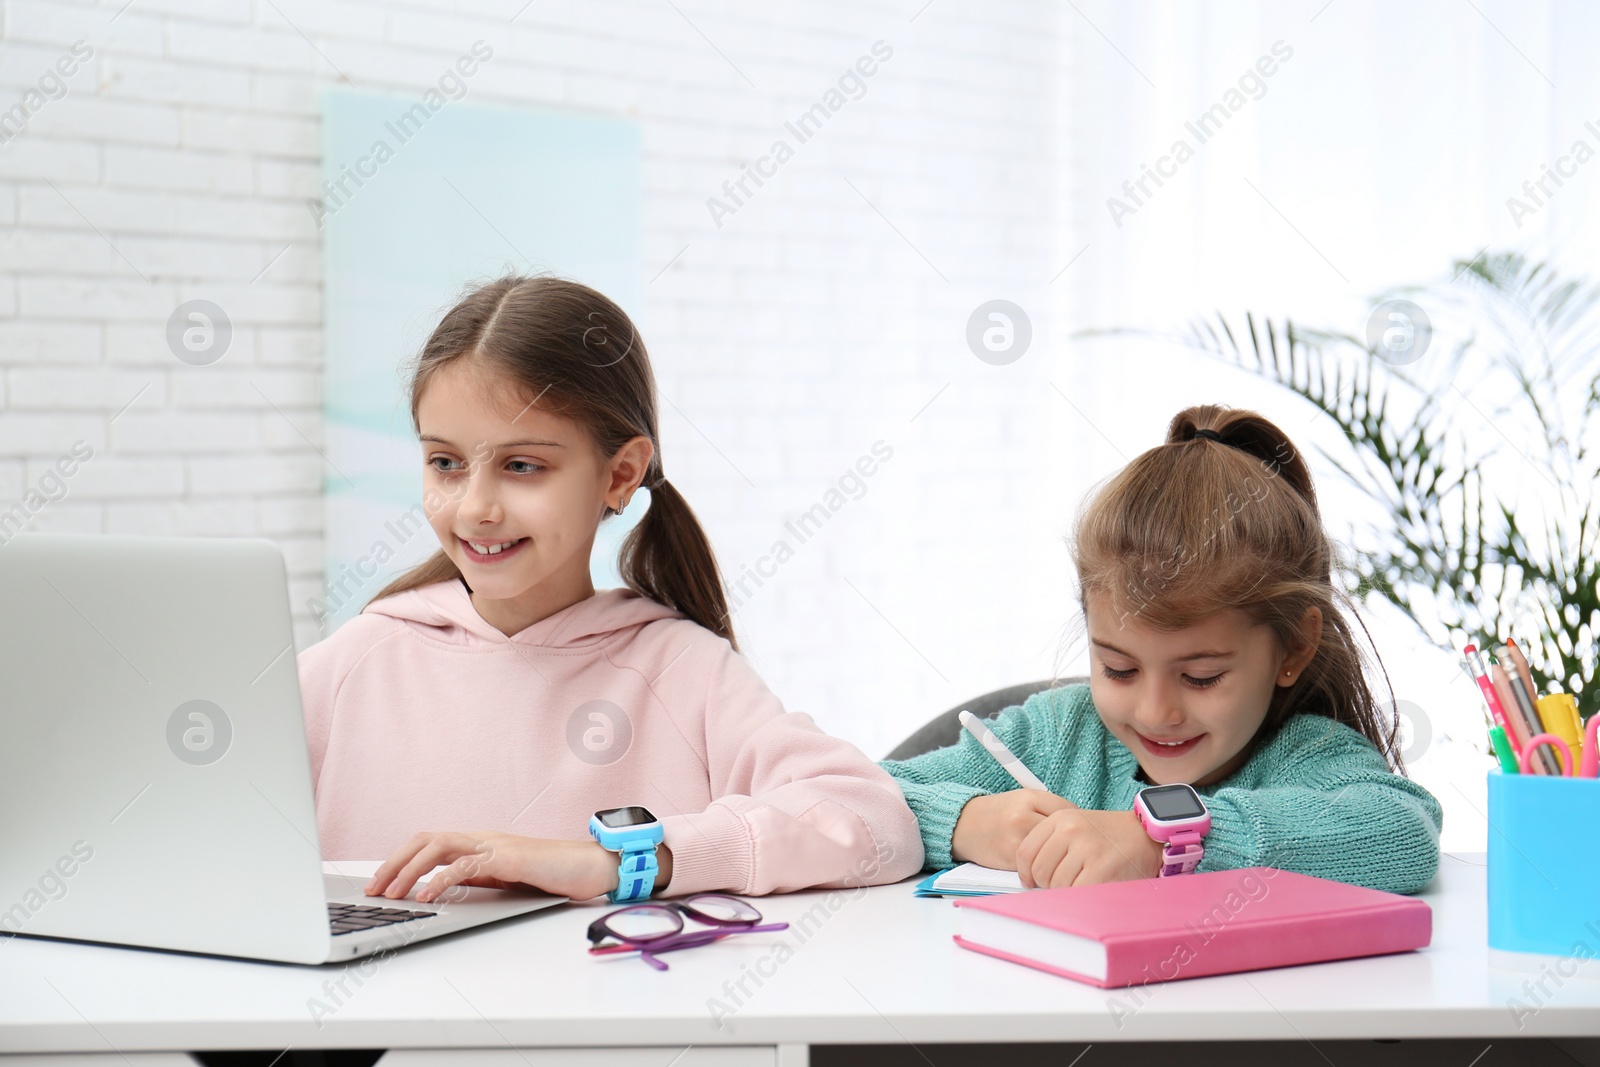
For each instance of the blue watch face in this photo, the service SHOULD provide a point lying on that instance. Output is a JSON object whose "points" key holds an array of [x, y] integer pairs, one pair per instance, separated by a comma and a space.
{"points": [[622, 818]]}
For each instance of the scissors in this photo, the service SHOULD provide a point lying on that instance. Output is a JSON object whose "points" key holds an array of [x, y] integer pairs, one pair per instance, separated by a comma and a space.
{"points": [[1588, 767], [1557, 745]]}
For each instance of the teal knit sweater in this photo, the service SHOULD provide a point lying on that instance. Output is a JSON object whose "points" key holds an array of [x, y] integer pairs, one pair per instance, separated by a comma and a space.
{"points": [[1316, 798]]}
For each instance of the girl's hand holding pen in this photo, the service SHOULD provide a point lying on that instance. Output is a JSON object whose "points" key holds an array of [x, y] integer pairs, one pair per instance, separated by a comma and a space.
{"points": [[1047, 839], [992, 828], [1051, 842], [1080, 846], [575, 869]]}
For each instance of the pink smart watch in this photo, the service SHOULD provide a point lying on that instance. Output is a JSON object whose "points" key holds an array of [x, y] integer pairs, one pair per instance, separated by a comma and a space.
{"points": [[1175, 816]]}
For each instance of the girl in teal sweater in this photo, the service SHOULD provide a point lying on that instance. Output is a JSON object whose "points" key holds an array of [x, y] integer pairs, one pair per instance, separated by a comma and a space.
{"points": [[1219, 657]]}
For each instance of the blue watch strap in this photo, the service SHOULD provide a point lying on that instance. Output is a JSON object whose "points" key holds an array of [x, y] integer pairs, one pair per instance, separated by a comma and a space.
{"points": [[635, 845], [636, 876]]}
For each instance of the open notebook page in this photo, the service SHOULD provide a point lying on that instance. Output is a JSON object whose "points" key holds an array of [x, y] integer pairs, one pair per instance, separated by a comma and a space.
{"points": [[972, 878]]}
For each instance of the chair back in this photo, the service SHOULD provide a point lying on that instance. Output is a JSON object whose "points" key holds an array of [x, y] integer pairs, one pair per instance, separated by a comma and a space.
{"points": [[945, 728]]}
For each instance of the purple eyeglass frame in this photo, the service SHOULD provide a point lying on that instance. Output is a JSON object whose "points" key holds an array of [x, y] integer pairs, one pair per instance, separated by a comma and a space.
{"points": [[649, 947]]}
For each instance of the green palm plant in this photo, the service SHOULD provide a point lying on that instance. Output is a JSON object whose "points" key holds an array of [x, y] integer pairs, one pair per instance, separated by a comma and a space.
{"points": [[1457, 560]]}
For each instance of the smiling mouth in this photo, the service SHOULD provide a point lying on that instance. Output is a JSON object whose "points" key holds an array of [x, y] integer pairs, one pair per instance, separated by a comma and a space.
{"points": [[1169, 748], [490, 551]]}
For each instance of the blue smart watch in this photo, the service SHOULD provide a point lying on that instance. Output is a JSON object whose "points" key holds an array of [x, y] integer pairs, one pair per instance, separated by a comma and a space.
{"points": [[634, 833]]}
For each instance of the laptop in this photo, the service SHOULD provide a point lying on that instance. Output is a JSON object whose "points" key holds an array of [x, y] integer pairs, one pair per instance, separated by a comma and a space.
{"points": [[154, 777]]}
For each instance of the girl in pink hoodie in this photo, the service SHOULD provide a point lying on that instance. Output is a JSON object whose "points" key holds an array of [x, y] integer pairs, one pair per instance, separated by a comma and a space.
{"points": [[484, 704]]}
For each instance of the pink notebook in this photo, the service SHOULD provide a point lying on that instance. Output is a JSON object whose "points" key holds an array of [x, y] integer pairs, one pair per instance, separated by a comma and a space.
{"points": [[1159, 929]]}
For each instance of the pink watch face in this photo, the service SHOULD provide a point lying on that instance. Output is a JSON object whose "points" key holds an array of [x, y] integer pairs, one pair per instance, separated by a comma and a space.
{"points": [[1166, 810], [1175, 816]]}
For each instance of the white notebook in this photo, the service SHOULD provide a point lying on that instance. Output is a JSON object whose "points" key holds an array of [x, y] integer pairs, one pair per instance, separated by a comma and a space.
{"points": [[972, 878]]}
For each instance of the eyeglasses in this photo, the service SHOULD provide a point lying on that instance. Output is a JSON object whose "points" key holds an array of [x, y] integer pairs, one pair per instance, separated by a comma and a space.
{"points": [[651, 929]]}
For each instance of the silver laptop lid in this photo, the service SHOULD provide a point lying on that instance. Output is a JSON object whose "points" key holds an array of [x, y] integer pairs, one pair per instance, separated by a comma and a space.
{"points": [[153, 771]]}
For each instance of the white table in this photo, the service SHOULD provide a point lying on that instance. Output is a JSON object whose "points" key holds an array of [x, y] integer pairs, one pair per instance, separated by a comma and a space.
{"points": [[865, 966]]}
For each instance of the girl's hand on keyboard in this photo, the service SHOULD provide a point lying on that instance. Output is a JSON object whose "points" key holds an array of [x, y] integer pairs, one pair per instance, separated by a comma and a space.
{"points": [[576, 869]]}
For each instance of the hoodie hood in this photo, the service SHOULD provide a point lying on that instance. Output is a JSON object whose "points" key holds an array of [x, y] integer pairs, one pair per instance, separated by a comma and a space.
{"points": [[444, 610]]}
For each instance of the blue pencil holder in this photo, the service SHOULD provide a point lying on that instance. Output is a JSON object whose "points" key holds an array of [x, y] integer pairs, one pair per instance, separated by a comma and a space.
{"points": [[1544, 871]]}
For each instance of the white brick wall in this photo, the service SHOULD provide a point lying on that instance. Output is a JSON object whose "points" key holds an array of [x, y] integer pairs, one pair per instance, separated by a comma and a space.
{"points": [[787, 341]]}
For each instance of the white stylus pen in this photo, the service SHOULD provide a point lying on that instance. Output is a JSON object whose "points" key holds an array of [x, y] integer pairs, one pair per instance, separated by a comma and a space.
{"points": [[997, 748]]}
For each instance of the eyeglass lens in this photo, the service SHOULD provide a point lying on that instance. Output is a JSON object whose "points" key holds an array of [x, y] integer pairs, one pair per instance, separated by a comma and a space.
{"points": [[720, 908], [644, 923]]}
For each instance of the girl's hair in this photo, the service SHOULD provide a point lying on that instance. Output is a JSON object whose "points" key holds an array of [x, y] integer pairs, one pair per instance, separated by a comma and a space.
{"points": [[1203, 524], [572, 351]]}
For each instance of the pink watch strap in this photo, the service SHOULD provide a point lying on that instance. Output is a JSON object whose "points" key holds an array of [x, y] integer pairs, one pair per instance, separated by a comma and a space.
{"points": [[1182, 854]]}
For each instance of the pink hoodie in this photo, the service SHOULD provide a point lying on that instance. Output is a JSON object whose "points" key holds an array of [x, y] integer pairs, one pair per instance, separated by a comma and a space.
{"points": [[422, 716]]}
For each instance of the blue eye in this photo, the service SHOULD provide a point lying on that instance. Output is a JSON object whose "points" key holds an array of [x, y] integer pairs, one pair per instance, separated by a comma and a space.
{"points": [[434, 460]]}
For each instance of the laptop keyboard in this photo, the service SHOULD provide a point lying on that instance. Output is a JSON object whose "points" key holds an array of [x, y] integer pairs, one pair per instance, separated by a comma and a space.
{"points": [[348, 918]]}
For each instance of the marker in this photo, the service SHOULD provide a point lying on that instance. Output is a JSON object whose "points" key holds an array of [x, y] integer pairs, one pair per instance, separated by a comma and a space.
{"points": [[1003, 755], [1502, 750], [1499, 744], [1559, 713], [1590, 766]]}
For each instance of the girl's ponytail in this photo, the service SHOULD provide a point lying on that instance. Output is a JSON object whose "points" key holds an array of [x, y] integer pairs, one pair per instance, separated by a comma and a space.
{"points": [[1249, 433], [1262, 440], [668, 558]]}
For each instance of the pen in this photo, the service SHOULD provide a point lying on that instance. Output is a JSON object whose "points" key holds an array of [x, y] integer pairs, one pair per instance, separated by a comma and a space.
{"points": [[1490, 697], [997, 748]]}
